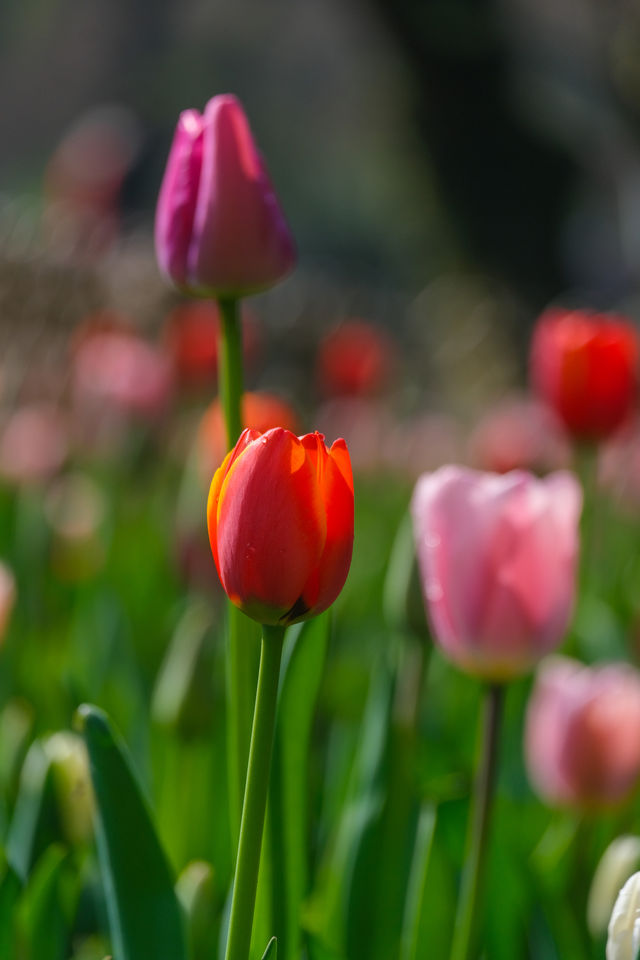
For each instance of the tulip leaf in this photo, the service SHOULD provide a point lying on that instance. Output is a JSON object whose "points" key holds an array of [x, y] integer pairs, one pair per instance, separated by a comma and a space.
{"points": [[414, 944], [284, 878], [271, 953], [10, 891], [46, 908], [35, 823], [364, 881], [144, 915]]}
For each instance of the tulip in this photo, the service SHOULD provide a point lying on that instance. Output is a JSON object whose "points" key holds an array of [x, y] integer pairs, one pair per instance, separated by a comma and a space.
{"points": [[355, 359], [280, 519], [219, 229], [585, 367], [497, 555], [618, 862], [623, 941], [582, 739]]}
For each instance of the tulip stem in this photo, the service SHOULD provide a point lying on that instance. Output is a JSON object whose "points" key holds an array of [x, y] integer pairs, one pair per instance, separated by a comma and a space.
{"points": [[255, 797], [230, 375], [470, 901], [240, 675]]}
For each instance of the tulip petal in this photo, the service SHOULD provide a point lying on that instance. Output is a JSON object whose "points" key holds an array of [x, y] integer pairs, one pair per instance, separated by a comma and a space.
{"points": [[240, 241], [335, 483], [271, 526], [497, 555], [178, 193], [246, 438]]}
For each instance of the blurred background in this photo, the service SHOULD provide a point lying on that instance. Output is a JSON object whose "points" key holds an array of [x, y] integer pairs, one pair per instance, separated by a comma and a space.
{"points": [[448, 168]]}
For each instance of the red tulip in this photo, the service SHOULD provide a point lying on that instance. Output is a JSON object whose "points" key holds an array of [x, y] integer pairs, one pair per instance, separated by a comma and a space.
{"points": [[585, 367], [355, 359], [219, 228], [280, 518]]}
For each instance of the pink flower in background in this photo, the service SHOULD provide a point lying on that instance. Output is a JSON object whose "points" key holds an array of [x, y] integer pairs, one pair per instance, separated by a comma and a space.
{"points": [[7, 597], [497, 556], [117, 371], [519, 433], [34, 444], [582, 739], [219, 227]]}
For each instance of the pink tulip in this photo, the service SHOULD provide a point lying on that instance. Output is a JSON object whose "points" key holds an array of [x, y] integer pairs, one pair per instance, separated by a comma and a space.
{"points": [[219, 228], [582, 740], [7, 597], [497, 555]]}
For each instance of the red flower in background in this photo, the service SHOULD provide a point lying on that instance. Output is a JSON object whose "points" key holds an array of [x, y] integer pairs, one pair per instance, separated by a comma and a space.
{"points": [[585, 367], [355, 359], [260, 411], [191, 337], [280, 519]]}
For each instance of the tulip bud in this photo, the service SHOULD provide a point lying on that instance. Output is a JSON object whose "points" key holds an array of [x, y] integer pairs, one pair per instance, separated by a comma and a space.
{"points": [[623, 941], [497, 557], [618, 862], [219, 228], [198, 894], [67, 755], [585, 367], [582, 738], [280, 518]]}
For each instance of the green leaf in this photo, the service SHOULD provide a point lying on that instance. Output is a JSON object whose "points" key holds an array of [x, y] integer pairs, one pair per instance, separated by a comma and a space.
{"points": [[354, 879], [144, 915], [284, 879], [271, 953], [10, 890], [414, 943], [35, 823], [46, 909]]}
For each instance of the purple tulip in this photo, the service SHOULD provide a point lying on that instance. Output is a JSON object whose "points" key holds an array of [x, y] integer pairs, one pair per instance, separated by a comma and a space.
{"points": [[497, 555], [219, 228]]}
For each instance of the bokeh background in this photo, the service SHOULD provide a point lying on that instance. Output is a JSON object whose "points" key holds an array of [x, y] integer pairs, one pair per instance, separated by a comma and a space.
{"points": [[449, 168], [442, 164]]}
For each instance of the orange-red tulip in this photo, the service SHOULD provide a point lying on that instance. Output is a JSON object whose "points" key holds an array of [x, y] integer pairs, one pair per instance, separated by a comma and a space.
{"points": [[280, 518], [585, 367]]}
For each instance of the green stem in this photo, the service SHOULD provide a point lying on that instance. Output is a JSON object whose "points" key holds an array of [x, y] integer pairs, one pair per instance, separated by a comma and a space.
{"points": [[240, 674], [255, 797], [230, 375], [469, 904]]}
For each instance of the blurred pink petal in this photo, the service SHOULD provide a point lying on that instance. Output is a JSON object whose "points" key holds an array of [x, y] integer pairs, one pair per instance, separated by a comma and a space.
{"points": [[519, 433], [497, 555], [582, 741], [34, 444]]}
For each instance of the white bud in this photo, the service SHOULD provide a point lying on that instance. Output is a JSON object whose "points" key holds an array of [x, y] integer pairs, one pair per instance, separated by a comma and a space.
{"points": [[618, 862], [623, 941]]}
